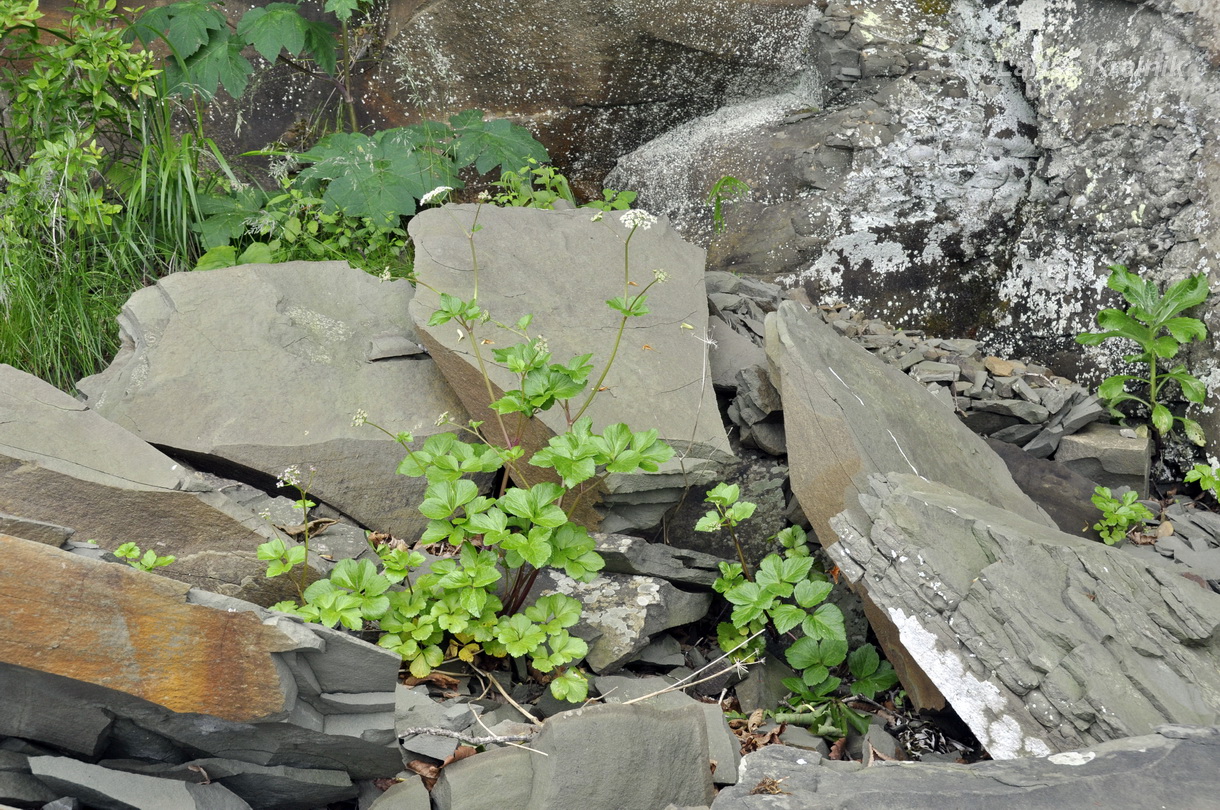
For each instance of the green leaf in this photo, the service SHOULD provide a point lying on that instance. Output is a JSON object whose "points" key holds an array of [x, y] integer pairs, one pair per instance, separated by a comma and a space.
{"points": [[273, 28], [492, 144], [570, 686], [825, 623], [723, 494], [519, 635], [1162, 419], [218, 62], [573, 551], [786, 617], [804, 653], [187, 25], [1184, 330], [342, 8], [863, 661], [811, 592], [632, 306], [710, 522], [1194, 432], [1183, 295], [534, 546]]}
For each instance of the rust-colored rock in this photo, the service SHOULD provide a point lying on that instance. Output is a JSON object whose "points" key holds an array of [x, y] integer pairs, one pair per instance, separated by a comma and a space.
{"points": [[133, 631]]}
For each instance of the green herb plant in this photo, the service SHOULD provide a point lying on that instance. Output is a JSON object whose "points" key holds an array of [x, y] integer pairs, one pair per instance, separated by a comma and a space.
{"points": [[726, 189], [1118, 515], [537, 185], [785, 595], [1207, 476], [475, 599], [1153, 322], [148, 561], [280, 557]]}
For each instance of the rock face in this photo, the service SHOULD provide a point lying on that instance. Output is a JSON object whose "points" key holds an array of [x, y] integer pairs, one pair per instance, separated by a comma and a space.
{"points": [[853, 415], [278, 385], [65, 471], [1043, 642], [970, 168], [592, 81], [575, 266]]}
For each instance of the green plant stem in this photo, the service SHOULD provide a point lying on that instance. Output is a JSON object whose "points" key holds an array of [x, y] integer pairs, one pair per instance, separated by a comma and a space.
{"points": [[741, 554], [622, 325]]}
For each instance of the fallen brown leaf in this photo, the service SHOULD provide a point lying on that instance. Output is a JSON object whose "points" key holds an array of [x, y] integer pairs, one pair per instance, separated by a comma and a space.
{"points": [[427, 771], [460, 753]]}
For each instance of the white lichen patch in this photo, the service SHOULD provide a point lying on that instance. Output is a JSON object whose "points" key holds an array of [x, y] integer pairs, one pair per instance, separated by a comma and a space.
{"points": [[322, 328], [1073, 758], [979, 703]]}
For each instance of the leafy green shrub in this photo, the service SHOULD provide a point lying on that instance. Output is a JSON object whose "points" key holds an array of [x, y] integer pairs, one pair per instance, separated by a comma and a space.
{"points": [[787, 593], [1119, 516], [1148, 316], [477, 602], [97, 189]]}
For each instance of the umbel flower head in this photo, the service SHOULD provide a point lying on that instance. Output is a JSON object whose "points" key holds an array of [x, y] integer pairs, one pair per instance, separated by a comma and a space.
{"points": [[637, 218], [434, 194]]}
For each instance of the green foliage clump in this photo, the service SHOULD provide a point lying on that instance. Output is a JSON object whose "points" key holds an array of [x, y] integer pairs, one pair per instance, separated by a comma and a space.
{"points": [[785, 595], [1155, 323], [1119, 516], [148, 561], [475, 601], [537, 185]]}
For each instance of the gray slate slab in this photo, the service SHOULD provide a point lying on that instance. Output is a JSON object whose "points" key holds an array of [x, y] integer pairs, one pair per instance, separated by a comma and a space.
{"points": [[279, 384], [62, 463], [847, 414], [620, 612], [562, 268], [1172, 768], [1042, 641], [118, 790]]}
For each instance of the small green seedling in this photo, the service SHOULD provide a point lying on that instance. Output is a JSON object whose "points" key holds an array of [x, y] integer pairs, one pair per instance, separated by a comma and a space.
{"points": [[1207, 476], [149, 561], [1119, 517], [725, 190], [1148, 315]]}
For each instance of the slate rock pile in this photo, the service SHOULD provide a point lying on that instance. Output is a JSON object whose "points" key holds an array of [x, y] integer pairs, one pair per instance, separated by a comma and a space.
{"points": [[1020, 403]]}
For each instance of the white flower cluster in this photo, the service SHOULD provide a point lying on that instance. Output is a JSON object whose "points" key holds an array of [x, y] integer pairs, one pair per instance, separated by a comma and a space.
{"points": [[291, 477], [434, 194], [637, 218], [661, 276], [360, 418]]}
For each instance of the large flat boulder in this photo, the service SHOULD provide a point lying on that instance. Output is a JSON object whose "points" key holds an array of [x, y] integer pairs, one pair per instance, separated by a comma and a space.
{"points": [[1042, 641], [278, 384], [848, 415], [562, 267], [67, 472]]}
